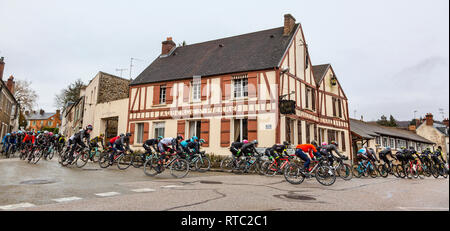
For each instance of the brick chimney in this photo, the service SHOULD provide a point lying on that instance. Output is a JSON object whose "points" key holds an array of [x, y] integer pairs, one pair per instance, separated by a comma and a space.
{"points": [[445, 122], [289, 23], [10, 84], [412, 128], [167, 46], [429, 119], [41, 112], [2, 67]]}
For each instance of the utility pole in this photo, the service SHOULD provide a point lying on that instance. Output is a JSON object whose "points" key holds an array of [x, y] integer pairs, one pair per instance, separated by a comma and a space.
{"points": [[121, 70]]}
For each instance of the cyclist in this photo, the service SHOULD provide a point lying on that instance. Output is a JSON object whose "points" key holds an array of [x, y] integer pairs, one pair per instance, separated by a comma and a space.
{"points": [[120, 143], [372, 156], [98, 139], [437, 156], [113, 140], [167, 145], [83, 134], [236, 147], [249, 148], [329, 149], [149, 144], [300, 151], [190, 146], [5, 142], [383, 155], [278, 151]]}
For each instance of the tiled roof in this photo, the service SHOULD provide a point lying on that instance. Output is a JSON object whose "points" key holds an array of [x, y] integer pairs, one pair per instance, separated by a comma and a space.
{"points": [[248, 52], [319, 72], [370, 131], [37, 116]]}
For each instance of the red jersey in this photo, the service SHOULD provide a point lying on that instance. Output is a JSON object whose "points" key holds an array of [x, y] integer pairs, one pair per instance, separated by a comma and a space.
{"points": [[309, 148], [114, 139]]}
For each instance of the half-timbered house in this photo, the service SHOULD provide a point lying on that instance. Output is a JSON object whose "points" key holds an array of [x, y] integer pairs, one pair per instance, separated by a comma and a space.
{"points": [[229, 89]]}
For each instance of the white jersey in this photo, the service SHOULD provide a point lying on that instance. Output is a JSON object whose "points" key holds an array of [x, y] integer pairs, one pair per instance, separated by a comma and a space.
{"points": [[167, 141]]}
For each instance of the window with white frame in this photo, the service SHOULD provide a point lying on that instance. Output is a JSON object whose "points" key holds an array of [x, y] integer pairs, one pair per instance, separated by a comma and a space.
{"points": [[310, 98], [385, 142], [159, 129], [240, 87], [240, 130], [378, 140], [140, 133], [393, 143], [194, 128], [196, 90], [162, 95]]}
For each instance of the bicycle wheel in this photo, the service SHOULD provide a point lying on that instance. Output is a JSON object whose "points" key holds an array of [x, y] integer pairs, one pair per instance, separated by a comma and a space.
{"points": [[383, 170], [124, 161], [443, 171], [179, 168], [103, 161], [31, 157], [325, 175], [227, 164], [345, 171], [203, 164], [51, 154], [269, 168], [356, 171], [137, 161], [401, 171], [150, 166], [38, 156], [294, 174], [82, 159], [373, 172]]}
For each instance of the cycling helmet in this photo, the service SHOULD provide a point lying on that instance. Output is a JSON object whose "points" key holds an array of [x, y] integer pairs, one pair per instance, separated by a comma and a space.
{"points": [[324, 143], [30, 133], [194, 138], [50, 133], [122, 135], [245, 141], [180, 137], [102, 135], [388, 148], [160, 138], [89, 127], [255, 142], [334, 142], [8, 134], [128, 134], [314, 143], [202, 141]]}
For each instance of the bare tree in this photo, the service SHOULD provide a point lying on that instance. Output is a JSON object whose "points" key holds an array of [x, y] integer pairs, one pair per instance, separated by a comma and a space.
{"points": [[25, 95], [69, 94]]}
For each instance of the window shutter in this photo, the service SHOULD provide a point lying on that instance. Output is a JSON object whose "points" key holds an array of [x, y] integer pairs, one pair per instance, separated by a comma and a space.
{"points": [[313, 99], [156, 90], [186, 91], [204, 89], [146, 130], [181, 127], [204, 132], [252, 129], [132, 133], [169, 96], [226, 87], [340, 108], [252, 86], [225, 132]]}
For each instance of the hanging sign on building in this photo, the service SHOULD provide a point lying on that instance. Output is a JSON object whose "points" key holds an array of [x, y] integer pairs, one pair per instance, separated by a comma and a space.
{"points": [[287, 107]]}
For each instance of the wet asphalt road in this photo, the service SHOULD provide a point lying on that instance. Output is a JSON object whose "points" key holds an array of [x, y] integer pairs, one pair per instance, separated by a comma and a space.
{"points": [[48, 186]]}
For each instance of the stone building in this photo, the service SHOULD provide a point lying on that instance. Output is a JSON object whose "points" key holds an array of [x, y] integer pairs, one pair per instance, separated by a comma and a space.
{"points": [[231, 89], [436, 131], [9, 108], [73, 116], [105, 103]]}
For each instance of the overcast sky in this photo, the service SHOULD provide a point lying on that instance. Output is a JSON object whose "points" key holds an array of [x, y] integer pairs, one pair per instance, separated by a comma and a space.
{"points": [[391, 57]]}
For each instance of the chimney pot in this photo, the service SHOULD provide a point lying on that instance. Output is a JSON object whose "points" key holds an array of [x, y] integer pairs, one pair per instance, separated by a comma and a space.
{"points": [[429, 119], [167, 46], [445, 122], [2, 67], [289, 23], [10, 84]]}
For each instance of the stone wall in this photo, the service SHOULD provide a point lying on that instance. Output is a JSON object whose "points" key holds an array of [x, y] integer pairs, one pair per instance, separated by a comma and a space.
{"points": [[112, 88]]}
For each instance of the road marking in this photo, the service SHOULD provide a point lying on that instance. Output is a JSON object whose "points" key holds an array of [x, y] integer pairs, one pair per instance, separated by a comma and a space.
{"points": [[421, 208], [16, 206], [171, 186], [140, 190], [107, 194], [65, 199]]}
